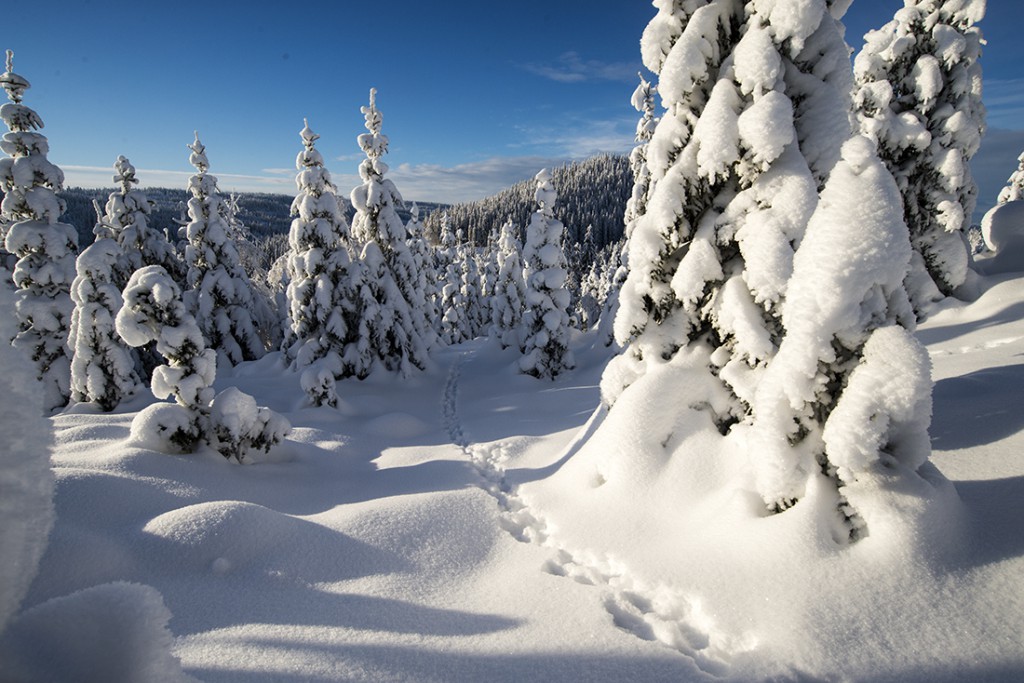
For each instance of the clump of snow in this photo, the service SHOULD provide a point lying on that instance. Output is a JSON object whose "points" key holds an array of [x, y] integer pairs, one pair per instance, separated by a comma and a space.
{"points": [[1003, 230], [26, 482], [112, 632]]}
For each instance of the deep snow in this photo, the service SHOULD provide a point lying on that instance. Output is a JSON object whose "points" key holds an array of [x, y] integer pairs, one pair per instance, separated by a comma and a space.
{"points": [[445, 527]]}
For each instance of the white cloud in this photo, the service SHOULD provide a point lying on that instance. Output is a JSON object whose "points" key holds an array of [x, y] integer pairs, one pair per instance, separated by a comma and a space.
{"points": [[578, 138], [572, 68], [466, 182], [102, 176]]}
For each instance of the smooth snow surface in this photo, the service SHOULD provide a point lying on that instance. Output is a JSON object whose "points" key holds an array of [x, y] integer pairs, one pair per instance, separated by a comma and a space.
{"points": [[464, 525]]}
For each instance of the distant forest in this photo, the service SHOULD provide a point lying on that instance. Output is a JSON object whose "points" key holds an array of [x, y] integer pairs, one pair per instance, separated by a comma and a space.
{"points": [[591, 192]]}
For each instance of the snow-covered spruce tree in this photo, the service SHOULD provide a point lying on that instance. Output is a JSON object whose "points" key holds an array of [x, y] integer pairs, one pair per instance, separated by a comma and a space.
{"points": [[231, 422], [848, 395], [102, 367], [220, 295], [426, 276], [325, 317], [545, 328], [126, 219], [1014, 189], [454, 325], [487, 270], [250, 256], [757, 108], [44, 248], [402, 333], [918, 95], [509, 288], [153, 312]]}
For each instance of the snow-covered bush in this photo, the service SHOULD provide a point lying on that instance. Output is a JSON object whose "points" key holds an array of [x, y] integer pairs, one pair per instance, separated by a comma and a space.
{"points": [[44, 248], [399, 329], [220, 295], [918, 95], [544, 333], [102, 367], [509, 289], [241, 427]]}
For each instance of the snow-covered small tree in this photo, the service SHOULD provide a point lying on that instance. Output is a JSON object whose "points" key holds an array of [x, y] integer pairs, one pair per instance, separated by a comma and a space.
{"points": [[918, 95], [1014, 189], [401, 331], [426, 276], [220, 295], [509, 288], [454, 324], [251, 258], [153, 312], [545, 329], [231, 422], [102, 367], [325, 284], [126, 219], [43, 247]]}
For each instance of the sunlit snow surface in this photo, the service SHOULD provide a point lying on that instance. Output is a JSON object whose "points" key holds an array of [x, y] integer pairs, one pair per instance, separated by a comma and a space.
{"points": [[468, 524]]}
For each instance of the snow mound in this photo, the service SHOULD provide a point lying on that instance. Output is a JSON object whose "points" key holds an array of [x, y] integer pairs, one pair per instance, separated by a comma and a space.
{"points": [[227, 537], [1003, 230], [113, 632], [397, 425]]}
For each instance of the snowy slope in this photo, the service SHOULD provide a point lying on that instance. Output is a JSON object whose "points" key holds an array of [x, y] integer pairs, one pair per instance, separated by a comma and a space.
{"points": [[427, 530]]}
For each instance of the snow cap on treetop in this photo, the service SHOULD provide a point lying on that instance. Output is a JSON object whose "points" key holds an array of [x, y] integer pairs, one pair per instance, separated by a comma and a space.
{"points": [[198, 156], [14, 84], [307, 134]]}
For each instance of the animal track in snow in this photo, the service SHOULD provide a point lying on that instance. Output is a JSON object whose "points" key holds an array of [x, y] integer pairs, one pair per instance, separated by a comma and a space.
{"points": [[657, 614]]}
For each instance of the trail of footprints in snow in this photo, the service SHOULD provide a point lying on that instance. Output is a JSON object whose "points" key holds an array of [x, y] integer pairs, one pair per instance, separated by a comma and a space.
{"points": [[651, 614]]}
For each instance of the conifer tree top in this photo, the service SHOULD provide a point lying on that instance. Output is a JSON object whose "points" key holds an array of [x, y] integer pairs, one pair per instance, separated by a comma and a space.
{"points": [[14, 84], [198, 156], [374, 143], [124, 173]]}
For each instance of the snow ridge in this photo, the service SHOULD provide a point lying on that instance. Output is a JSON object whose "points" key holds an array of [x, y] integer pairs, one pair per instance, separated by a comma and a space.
{"points": [[654, 613]]}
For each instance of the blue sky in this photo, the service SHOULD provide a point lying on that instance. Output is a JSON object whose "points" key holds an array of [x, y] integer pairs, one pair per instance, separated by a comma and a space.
{"points": [[475, 95]]}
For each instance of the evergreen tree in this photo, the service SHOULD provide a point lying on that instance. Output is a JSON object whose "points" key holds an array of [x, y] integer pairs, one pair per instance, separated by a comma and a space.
{"points": [[251, 258], [454, 326], [426, 276], [102, 367], [509, 289], [919, 97], [43, 247], [545, 329], [757, 110], [400, 332], [231, 422], [220, 294], [850, 387], [325, 284], [1014, 189], [126, 219]]}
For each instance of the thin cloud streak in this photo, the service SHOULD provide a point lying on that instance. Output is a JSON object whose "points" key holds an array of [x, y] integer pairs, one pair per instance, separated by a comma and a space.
{"points": [[572, 68]]}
